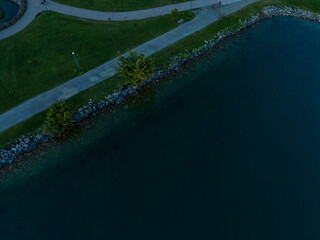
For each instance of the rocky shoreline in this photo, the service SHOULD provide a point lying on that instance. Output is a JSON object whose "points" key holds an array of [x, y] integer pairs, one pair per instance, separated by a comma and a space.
{"points": [[28, 144]]}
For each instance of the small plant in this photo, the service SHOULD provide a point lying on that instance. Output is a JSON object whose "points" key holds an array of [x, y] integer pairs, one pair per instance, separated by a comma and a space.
{"points": [[2, 15], [58, 118], [186, 55], [174, 14], [135, 68]]}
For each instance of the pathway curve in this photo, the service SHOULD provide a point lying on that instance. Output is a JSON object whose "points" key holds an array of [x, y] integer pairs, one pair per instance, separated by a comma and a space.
{"points": [[132, 15], [35, 8], [108, 69]]}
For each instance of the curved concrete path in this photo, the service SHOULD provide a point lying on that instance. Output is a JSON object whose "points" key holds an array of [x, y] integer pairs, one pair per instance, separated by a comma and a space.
{"points": [[68, 89], [132, 15], [35, 8]]}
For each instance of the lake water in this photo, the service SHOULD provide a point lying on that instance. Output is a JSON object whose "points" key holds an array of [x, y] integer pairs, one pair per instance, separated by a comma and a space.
{"points": [[229, 149], [11, 10]]}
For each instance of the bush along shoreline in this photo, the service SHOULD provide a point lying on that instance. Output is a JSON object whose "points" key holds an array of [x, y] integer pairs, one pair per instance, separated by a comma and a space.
{"points": [[28, 144]]}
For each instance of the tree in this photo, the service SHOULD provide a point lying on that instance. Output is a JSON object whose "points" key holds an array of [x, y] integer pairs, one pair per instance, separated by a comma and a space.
{"points": [[174, 14], [135, 68], [58, 118]]}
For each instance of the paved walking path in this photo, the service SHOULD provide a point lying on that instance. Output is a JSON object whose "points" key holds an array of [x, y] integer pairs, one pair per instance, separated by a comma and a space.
{"points": [[35, 8], [132, 15], [108, 69]]}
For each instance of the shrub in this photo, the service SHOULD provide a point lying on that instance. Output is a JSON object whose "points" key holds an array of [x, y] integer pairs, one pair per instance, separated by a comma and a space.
{"points": [[174, 14], [135, 68], [58, 118], [2, 15]]}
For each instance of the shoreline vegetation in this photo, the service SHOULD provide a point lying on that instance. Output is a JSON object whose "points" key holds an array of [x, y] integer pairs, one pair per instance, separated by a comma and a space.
{"points": [[257, 13]]}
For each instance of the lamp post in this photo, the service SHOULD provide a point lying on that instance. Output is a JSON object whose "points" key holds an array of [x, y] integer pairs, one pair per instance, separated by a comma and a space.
{"points": [[76, 60], [190, 8], [45, 5]]}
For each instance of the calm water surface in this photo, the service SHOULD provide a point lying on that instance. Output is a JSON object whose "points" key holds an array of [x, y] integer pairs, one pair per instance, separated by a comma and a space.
{"points": [[228, 150]]}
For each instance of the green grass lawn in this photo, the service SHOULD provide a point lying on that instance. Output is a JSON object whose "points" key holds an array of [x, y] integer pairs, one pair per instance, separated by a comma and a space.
{"points": [[161, 58], [118, 5], [39, 57], [313, 5]]}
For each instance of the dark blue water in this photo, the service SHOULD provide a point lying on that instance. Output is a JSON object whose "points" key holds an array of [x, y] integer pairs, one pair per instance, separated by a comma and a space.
{"points": [[10, 9], [228, 150]]}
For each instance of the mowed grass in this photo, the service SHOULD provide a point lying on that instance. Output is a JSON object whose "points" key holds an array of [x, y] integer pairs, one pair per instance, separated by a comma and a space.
{"points": [[313, 5], [118, 5], [161, 58], [39, 57]]}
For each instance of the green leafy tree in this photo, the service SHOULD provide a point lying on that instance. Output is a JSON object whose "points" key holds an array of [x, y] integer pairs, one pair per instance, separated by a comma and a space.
{"points": [[174, 14], [135, 68], [58, 118]]}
